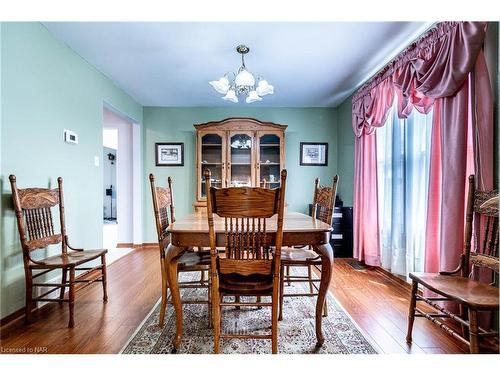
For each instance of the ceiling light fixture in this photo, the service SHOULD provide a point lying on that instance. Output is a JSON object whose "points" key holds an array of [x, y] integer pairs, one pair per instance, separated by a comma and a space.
{"points": [[242, 83]]}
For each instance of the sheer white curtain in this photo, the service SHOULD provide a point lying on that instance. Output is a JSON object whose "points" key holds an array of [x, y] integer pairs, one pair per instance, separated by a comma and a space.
{"points": [[403, 152]]}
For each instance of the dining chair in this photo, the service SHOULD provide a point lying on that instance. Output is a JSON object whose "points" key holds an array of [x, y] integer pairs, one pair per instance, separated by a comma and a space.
{"points": [[305, 256], [460, 286], [250, 264], [35, 222], [190, 261]]}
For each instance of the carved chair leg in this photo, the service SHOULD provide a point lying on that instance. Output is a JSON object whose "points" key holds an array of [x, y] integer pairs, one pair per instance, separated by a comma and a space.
{"points": [[104, 279], [202, 277], [210, 321], [281, 292], [464, 312], [411, 312], [309, 277], [64, 278], [71, 323], [259, 300], [164, 294], [29, 296], [237, 300], [274, 320], [216, 318], [473, 332]]}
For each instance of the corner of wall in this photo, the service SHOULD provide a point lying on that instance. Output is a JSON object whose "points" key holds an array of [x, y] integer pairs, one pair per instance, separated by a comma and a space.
{"points": [[345, 151]]}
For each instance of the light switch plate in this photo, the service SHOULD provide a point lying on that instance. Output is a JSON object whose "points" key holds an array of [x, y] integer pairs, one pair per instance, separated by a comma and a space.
{"points": [[96, 161]]}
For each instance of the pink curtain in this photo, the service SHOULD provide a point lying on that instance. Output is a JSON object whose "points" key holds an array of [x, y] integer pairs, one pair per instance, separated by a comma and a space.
{"points": [[432, 73], [366, 230], [453, 123], [433, 223], [482, 125]]}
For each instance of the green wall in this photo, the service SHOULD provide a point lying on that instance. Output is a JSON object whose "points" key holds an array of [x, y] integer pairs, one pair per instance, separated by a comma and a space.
{"points": [[176, 125], [46, 87], [346, 151]]}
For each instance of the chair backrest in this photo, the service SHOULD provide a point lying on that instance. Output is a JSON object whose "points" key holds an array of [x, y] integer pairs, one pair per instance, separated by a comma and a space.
{"points": [[482, 222], [35, 223], [324, 200], [246, 212], [163, 207]]}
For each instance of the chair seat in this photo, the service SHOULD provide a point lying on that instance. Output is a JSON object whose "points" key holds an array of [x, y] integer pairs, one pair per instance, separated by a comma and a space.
{"points": [[297, 256], [252, 285], [460, 289], [72, 258], [194, 261]]}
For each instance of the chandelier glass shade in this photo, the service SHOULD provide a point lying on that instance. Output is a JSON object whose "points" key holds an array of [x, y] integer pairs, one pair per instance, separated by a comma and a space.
{"points": [[232, 85]]}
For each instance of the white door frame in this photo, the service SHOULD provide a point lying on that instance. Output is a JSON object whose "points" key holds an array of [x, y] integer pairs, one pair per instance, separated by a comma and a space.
{"points": [[137, 173]]}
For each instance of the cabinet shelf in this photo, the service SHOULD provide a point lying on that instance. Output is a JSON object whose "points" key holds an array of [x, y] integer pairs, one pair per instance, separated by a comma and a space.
{"points": [[269, 145], [211, 145]]}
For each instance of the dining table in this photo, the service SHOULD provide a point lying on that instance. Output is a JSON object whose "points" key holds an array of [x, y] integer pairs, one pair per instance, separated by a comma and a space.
{"points": [[191, 231]]}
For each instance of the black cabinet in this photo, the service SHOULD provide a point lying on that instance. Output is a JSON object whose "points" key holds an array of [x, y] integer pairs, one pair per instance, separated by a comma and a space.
{"points": [[341, 238]]}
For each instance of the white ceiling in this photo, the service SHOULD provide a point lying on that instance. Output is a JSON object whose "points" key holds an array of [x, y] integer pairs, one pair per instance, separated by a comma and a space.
{"points": [[170, 63]]}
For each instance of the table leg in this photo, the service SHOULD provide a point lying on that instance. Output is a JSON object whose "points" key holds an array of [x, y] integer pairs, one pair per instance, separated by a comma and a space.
{"points": [[172, 256], [326, 253]]}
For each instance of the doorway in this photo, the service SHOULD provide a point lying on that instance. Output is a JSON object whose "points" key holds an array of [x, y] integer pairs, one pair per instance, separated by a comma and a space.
{"points": [[117, 190]]}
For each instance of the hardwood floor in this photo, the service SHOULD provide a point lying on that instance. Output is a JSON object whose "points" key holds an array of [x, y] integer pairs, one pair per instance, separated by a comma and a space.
{"points": [[378, 304], [134, 285]]}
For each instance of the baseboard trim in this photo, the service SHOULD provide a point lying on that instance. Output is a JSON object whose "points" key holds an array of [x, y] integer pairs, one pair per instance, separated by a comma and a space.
{"points": [[129, 245], [125, 244], [148, 244], [13, 317]]}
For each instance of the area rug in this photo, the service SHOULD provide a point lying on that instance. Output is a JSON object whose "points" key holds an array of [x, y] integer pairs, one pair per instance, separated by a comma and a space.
{"points": [[296, 332]]}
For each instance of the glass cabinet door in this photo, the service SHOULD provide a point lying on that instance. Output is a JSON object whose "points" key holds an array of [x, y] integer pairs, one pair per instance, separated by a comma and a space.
{"points": [[269, 160], [240, 160], [211, 158]]}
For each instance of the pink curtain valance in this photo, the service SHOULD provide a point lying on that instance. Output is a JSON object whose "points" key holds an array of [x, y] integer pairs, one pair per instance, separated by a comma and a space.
{"points": [[435, 66]]}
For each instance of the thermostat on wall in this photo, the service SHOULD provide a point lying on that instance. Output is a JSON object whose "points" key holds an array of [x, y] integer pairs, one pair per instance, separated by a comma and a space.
{"points": [[70, 137]]}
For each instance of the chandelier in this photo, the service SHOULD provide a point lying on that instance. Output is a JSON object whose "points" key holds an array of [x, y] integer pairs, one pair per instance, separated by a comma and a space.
{"points": [[243, 83]]}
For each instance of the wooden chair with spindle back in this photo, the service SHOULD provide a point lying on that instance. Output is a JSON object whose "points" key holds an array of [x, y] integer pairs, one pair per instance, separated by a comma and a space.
{"points": [[458, 285], [33, 208], [250, 264], [322, 209], [164, 212]]}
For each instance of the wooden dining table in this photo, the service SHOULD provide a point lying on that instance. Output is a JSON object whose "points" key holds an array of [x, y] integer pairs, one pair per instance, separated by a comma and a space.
{"points": [[298, 229]]}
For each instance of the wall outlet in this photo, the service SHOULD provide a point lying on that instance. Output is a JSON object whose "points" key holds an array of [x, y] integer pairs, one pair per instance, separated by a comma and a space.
{"points": [[96, 161], [70, 137]]}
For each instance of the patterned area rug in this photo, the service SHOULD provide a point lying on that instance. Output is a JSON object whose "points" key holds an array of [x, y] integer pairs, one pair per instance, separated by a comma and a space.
{"points": [[296, 330]]}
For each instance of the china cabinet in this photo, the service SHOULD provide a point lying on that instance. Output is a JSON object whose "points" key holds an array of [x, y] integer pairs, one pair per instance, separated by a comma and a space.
{"points": [[238, 152]]}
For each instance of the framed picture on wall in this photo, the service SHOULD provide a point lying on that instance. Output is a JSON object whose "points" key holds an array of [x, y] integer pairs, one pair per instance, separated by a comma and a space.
{"points": [[169, 154], [313, 154]]}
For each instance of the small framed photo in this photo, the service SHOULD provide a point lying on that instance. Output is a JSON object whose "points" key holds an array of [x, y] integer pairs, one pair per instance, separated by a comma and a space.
{"points": [[313, 154], [169, 154]]}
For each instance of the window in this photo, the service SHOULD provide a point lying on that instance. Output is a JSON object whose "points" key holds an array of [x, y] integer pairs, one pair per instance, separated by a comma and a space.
{"points": [[403, 154]]}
